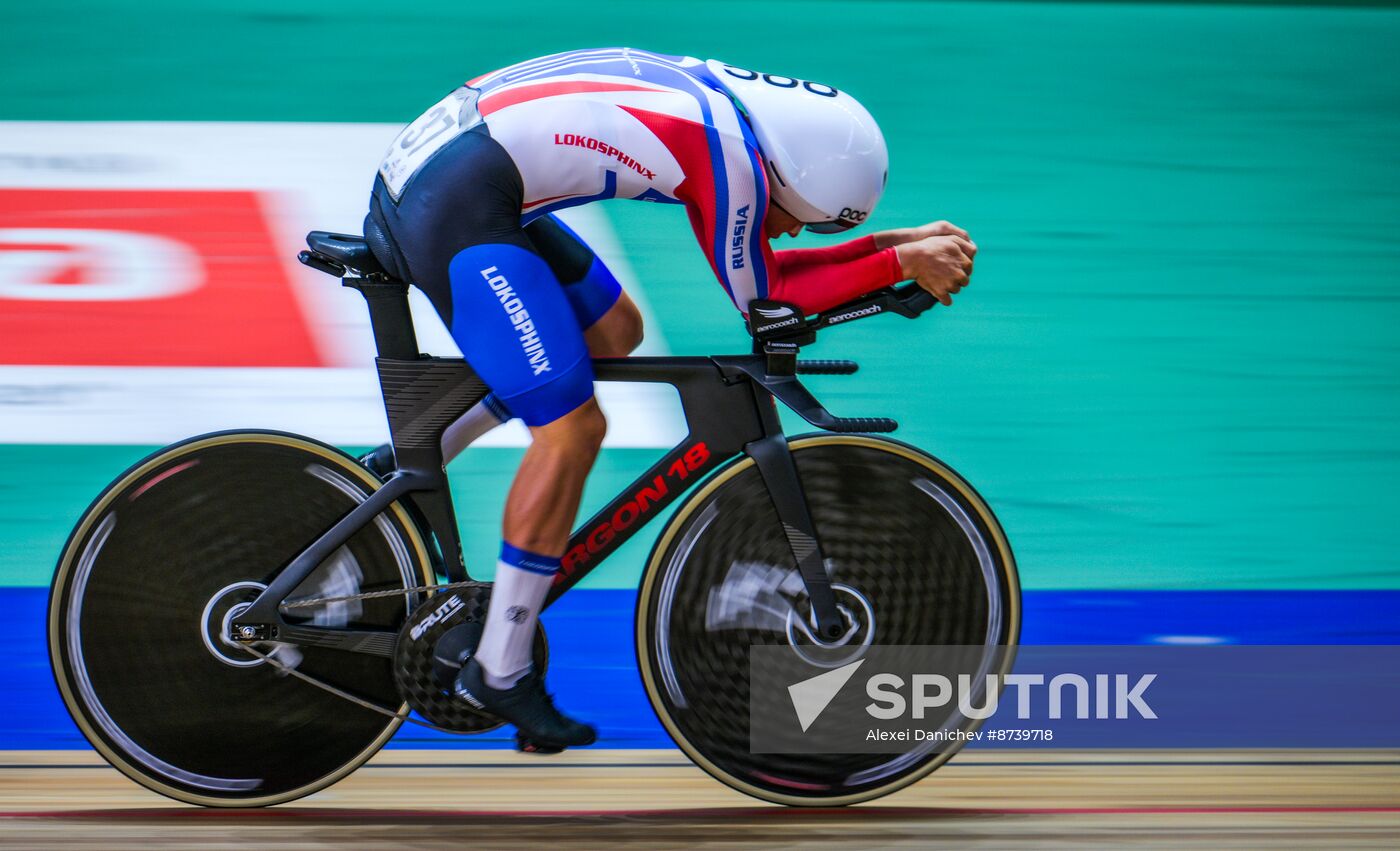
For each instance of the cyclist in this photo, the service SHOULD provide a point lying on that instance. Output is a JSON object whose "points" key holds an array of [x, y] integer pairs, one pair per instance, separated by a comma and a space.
{"points": [[462, 207]]}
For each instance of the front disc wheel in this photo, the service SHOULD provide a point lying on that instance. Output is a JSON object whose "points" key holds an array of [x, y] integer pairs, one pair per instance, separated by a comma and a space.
{"points": [[915, 557]]}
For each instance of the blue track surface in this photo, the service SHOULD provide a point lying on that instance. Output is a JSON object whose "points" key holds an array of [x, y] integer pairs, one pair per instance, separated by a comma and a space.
{"points": [[593, 669]]}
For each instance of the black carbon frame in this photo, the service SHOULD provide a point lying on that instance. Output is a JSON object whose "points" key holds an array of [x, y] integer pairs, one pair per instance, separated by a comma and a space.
{"points": [[727, 414], [729, 406], [722, 418]]}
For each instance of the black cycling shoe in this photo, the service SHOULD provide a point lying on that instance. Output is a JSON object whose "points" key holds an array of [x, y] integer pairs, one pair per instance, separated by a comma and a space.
{"points": [[542, 727], [379, 460]]}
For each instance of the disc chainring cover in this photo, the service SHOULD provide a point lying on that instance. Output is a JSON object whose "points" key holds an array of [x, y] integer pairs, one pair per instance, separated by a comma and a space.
{"points": [[436, 641]]}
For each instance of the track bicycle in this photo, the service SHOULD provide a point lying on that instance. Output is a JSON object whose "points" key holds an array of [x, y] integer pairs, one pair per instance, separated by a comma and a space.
{"points": [[245, 617]]}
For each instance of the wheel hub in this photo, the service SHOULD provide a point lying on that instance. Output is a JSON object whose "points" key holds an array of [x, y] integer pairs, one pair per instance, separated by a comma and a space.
{"points": [[216, 623], [859, 620]]}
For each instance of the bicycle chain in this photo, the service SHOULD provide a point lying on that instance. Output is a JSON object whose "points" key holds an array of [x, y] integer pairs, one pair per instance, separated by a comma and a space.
{"points": [[341, 693], [306, 602]]}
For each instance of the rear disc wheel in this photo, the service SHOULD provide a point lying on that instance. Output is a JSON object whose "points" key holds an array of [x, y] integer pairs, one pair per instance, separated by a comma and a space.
{"points": [[162, 563]]}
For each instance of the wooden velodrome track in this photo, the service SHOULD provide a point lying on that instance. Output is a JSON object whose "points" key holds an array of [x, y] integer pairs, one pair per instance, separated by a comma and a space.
{"points": [[654, 798]]}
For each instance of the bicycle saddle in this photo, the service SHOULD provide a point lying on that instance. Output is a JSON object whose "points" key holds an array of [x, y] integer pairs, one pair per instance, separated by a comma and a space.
{"points": [[352, 252]]}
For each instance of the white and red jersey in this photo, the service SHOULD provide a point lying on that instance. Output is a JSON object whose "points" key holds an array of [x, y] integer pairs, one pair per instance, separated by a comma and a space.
{"points": [[588, 125]]}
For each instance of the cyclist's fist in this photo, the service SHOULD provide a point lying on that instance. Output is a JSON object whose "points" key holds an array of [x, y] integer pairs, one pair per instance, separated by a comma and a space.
{"points": [[941, 264], [899, 236], [938, 228]]}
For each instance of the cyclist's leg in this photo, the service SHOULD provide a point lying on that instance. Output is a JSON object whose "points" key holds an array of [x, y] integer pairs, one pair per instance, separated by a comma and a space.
{"points": [[478, 420], [458, 230], [517, 330], [611, 321], [618, 332]]}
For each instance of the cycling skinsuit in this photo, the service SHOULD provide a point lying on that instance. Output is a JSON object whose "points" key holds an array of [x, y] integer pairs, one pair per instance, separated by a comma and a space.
{"points": [[461, 207]]}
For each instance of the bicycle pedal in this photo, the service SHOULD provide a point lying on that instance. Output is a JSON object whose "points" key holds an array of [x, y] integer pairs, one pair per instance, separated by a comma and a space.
{"points": [[525, 745]]}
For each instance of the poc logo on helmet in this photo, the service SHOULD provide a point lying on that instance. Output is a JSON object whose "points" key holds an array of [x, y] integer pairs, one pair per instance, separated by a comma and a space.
{"points": [[853, 215]]}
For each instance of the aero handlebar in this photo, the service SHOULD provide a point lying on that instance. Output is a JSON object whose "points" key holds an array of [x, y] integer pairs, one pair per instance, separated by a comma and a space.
{"points": [[781, 322]]}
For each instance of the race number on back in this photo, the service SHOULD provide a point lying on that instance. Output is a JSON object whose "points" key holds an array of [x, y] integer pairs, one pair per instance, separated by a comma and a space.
{"points": [[448, 119]]}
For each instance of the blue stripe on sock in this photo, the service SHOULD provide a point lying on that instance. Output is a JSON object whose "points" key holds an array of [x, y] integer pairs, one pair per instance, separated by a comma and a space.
{"points": [[528, 561]]}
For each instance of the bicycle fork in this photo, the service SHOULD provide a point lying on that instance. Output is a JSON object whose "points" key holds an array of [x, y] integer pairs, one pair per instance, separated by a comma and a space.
{"points": [[775, 464]]}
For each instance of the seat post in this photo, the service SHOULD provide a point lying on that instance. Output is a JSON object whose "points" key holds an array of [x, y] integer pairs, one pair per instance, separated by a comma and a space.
{"points": [[389, 316]]}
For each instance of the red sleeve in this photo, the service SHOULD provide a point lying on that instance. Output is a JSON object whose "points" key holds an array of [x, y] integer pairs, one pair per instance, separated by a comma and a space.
{"points": [[816, 279]]}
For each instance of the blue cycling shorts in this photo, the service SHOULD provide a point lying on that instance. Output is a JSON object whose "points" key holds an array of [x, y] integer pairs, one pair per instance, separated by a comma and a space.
{"points": [[517, 297]]}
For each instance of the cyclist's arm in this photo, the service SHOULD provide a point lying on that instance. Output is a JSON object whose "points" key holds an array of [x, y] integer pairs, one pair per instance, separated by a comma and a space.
{"points": [[900, 236], [937, 254], [727, 213], [816, 279]]}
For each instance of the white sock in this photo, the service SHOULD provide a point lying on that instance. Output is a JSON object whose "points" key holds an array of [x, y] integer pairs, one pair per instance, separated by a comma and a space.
{"points": [[479, 419], [522, 581]]}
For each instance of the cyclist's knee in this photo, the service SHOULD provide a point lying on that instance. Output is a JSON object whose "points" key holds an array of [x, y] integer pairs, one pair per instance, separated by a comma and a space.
{"points": [[630, 331], [618, 332], [578, 434], [587, 426]]}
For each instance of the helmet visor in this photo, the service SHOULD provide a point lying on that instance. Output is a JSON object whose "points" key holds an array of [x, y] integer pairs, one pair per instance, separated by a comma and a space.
{"points": [[830, 227]]}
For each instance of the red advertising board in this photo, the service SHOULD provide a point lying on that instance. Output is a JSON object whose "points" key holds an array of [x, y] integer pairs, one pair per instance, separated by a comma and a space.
{"points": [[145, 278]]}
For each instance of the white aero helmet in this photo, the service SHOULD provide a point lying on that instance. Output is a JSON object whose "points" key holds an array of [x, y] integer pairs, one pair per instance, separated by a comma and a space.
{"points": [[825, 155]]}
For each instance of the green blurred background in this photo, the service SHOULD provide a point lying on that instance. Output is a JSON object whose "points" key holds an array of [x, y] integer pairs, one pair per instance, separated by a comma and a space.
{"points": [[1178, 365]]}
